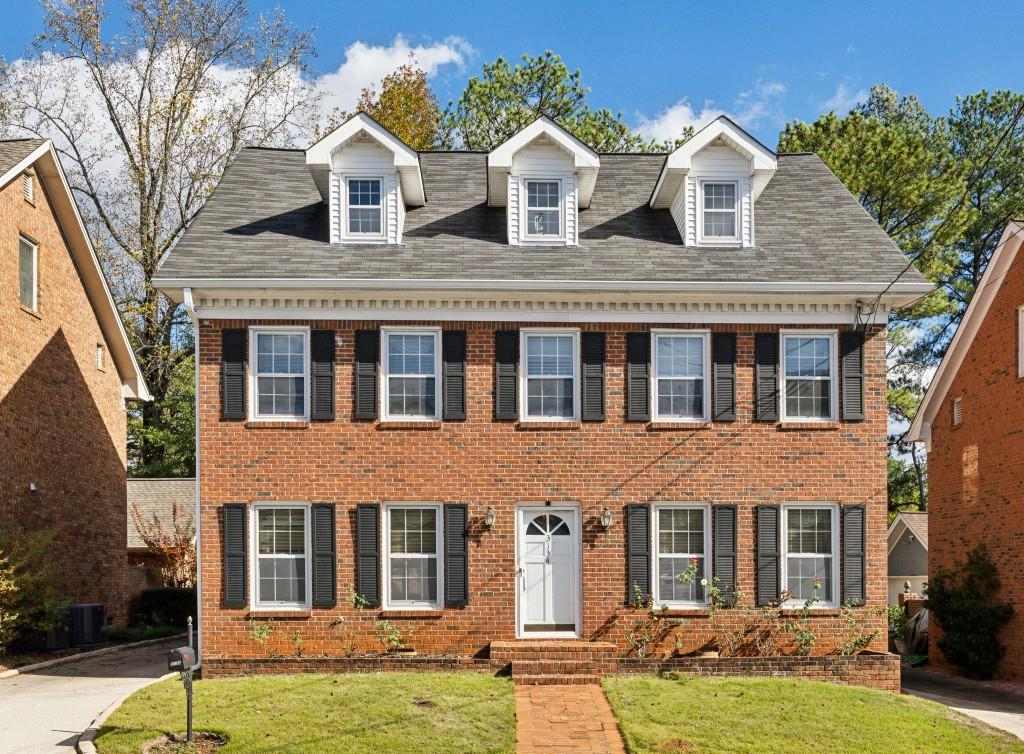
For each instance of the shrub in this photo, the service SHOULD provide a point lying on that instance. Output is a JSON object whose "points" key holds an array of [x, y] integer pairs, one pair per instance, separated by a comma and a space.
{"points": [[963, 602], [30, 602], [139, 632], [166, 606], [898, 621]]}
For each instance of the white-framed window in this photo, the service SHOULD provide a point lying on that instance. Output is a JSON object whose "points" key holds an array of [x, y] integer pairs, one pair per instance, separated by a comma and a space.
{"points": [[279, 373], [719, 204], [365, 206], [810, 553], [413, 566], [411, 367], [282, 571], [681, 384], [549, 375], [682, 539], [544, 209], [28, 187], [28, 273], [809, 375]]}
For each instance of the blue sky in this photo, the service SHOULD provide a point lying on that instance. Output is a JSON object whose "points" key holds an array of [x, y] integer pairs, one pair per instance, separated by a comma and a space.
{"points": [[661, 64]]}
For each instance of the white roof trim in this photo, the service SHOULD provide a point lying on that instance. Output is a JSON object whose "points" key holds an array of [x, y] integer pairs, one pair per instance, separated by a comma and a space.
{"points": [[407, 159], [763, 161], [50, 171], [1009, 244], [586, 161]]}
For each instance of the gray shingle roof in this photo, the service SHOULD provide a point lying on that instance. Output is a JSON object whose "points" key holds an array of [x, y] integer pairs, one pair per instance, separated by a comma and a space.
{"points": [[266, 220], [13, 151], [157, 497], [918, 524]]}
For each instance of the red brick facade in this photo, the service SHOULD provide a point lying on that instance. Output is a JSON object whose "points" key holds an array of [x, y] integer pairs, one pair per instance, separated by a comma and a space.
{"points": [[976, 470], [485, 463], [62, 419]]}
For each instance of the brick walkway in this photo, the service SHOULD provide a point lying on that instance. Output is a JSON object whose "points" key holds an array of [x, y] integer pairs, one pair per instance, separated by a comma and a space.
{"points": [[565, 719]]}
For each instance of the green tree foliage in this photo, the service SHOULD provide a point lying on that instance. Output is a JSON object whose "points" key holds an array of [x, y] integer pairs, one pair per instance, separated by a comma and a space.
{"points": [[30, 601], [173, 431], [504, 99]]}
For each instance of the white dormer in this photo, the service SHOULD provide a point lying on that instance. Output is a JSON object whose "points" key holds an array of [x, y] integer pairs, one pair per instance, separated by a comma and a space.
{"points": [[711, 182], [543, 175], [367, 176]]}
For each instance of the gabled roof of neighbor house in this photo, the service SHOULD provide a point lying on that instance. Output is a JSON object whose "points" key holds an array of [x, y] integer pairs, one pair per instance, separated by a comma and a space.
{"points": [[266, 224], [916, 523], [18, 155], [157, 497], [1004, 255]]}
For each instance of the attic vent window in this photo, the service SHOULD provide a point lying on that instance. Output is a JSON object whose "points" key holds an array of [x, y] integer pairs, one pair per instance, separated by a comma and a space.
{"points": [[719, 219], [364, 206], [101, 357], [543, 209], [28, 187], [957, 413]]}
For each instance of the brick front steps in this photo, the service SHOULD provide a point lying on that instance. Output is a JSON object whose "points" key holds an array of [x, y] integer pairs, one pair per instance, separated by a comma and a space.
{"points": [[553, 662]]}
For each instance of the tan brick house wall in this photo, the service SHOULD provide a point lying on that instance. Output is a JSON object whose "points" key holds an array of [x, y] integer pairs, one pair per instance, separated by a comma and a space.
{"points": [[976, 470], [495, 464], [62, 421]]}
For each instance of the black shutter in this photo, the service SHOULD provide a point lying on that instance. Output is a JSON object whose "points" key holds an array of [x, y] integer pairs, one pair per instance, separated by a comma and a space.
{"points": [[768, 590], [321, 375], [232, 372], [453, 375], [368, 553], [766, 376], [854, 554], [638, 544], [638, 368], [506, 374], [852, 355], [325, 587], [724, 551], [456, 555], [592, 352], [235, 575], [723, 375], [364, 396]]}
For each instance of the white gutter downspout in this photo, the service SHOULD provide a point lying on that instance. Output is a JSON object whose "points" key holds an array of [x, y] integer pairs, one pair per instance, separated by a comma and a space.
{"points": [[191, 311]]}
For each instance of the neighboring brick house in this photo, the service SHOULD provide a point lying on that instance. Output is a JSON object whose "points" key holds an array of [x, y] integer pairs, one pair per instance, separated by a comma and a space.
{"points": [[167, 501], [908, 555], [972, 423], [66, 368], [496, 393]]}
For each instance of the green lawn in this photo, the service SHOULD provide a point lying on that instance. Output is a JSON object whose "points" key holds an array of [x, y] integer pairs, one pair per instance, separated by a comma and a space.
{"points": [[364, 713], [771, 716]]}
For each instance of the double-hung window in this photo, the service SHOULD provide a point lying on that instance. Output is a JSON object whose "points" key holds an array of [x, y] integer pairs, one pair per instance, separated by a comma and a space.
{"points": [[682, 540], [411, 380], [681, 386], [550, 375], [365, 208], [280, 373], [544, 209], [810, 559], [28, 273], [809, 368], [719, 221], [413, 572], [282, 572]]}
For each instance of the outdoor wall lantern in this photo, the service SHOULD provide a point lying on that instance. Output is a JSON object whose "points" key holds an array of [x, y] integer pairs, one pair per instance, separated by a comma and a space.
{"points": [[489, 518], [606, 518]]}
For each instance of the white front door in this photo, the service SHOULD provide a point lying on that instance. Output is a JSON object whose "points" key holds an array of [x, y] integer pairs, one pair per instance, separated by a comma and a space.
{"points": [[548, 547]]}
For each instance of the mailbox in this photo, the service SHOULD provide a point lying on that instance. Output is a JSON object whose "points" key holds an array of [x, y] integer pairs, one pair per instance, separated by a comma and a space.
{"points": [[181, 659]]}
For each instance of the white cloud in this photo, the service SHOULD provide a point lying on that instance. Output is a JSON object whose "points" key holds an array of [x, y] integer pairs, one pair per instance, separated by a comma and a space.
{"points": [[750, 108], [367, 64], [843, 100]]}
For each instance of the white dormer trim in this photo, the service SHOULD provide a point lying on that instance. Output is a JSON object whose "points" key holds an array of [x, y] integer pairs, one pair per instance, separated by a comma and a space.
{"points": [[585, 161]]}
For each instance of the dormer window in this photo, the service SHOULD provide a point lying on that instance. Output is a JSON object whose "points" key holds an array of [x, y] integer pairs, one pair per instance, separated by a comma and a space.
{"points": [[364, 206], [718, 221], [544, 209]]}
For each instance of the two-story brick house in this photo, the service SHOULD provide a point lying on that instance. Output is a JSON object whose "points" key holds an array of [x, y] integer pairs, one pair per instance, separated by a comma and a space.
{"points": [[971, 422], [66, 369], [496, 394]]}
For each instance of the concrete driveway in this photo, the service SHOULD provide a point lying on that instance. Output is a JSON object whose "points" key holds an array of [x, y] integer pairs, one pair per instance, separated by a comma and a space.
{"points": [[1000, 709], [44, 711]]}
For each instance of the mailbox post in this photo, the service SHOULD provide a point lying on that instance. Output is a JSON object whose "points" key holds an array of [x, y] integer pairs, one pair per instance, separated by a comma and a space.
{"points": [[183, 661]]}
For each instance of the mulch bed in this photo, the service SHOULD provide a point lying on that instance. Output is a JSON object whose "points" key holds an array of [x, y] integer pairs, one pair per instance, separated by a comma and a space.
{"points": [[202, 743]]}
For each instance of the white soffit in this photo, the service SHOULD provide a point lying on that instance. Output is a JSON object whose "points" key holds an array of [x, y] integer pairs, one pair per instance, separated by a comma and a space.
{"points": [[407, 160], [1009, 244], [763, 161], [586, 162]]}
